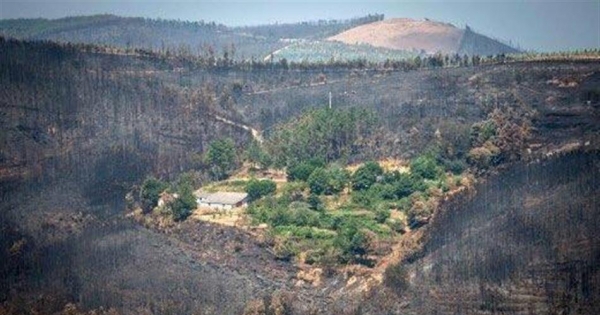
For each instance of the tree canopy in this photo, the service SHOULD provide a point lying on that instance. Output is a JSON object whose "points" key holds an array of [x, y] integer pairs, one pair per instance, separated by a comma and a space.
{"points": [[221, 158], [150, 193], [366, 175], [323, 134], [260, 188]]}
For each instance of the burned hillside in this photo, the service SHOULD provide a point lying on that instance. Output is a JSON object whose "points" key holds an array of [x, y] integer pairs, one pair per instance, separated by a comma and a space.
{"points": [[81, 126]]}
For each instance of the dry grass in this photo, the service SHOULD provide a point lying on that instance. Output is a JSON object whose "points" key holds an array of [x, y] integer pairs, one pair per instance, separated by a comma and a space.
{"points": [[233, 217], [247, 172], [405, 34], [388, 164]]}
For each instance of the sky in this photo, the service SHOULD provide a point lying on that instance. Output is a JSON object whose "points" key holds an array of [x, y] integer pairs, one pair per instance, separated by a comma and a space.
{"points": [[541, 25]]}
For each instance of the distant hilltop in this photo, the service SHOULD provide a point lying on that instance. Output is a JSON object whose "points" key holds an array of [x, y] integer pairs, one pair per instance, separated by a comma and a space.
{"points": [[369, 37], [425, 35], [197, 37]]}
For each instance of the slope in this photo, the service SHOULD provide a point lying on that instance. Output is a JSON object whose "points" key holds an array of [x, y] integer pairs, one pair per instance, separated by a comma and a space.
{"points": [[422, 36], [80, 127], [528, 243], [203, 38]]}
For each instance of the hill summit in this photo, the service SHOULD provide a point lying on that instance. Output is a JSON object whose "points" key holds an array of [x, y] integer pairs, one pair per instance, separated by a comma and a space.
{"points": [[423, 36]]}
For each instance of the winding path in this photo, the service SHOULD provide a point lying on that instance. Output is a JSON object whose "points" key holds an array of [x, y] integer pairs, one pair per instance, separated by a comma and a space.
{"points": [[257, 135]]}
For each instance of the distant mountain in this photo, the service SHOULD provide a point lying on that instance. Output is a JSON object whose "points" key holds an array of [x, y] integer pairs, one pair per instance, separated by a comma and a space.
{"points": [[197, 38], [424, 36]]}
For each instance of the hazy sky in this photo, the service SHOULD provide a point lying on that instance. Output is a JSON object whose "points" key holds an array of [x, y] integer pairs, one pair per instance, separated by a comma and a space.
{"points": [[538, 25]]}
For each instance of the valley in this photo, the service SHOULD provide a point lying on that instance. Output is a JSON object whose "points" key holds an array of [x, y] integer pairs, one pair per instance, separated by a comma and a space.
{"points": [[493, 207]]}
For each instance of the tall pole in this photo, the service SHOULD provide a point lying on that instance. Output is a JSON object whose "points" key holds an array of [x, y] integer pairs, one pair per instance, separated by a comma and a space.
{"points": [[329, 99]]}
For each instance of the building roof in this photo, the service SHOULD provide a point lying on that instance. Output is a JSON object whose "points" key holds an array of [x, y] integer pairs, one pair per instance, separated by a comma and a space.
{"points": [[226, 198]]}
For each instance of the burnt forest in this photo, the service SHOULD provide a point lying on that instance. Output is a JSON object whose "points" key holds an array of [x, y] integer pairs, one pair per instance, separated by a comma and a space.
{"points": [[152, 166]]}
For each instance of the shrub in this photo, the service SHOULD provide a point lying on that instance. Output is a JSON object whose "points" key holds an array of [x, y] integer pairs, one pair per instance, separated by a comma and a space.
{"points": [[456, 166], [338, 180], [260, 188], [425, 167], [404, 204], [381, 214], [328, 181], [404, 186], [485, 156], [382, 191], [482, 132], [301, 215], [419, 210], [278, 216], [285, 249], [315, 203], [150, 193], [366, 175], [397, 226], [364, 198], [301, 171], [183, 206], [351, 240], [318, 181]]}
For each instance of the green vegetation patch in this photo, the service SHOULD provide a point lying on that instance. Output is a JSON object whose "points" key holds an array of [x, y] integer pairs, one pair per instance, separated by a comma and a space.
{"points": [[331, 51]]}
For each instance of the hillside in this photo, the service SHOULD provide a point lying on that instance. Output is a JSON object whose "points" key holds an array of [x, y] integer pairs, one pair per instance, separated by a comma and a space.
{"points": [[81, 126], [197, 37], [422, 36], [523, 242]]}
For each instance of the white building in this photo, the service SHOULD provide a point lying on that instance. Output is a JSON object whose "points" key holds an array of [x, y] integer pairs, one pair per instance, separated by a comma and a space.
{"points": [[221, 200]]}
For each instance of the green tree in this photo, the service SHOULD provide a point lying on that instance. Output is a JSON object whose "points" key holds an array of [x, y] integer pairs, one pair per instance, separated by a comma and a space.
{"points": [[352, 240], [260, 188], [381, 214], [366, 175], [221, 158], [338, 180], [150, 193], [327, 134], [318, 181], [301, 171], [405, 185], [302, 215], [315, 203], [256, 155], [425, 167], [183, 206]]}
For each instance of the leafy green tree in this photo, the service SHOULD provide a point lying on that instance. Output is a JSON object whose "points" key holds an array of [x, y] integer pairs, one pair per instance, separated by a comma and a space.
{"points": [[318, 181], [255, 154], [302, 215], [425, 167], [260, 188], [150, 193], [338, 180], [365, 198], [352, 240], [301, 171], [404, 185], [327, 134], [381, 214], [315, 203], [383, 191], [183, 206], [221, 158], [366, 175]]}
